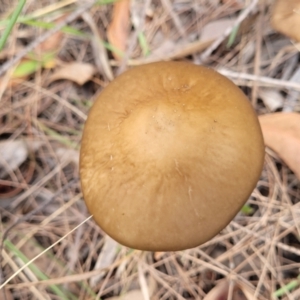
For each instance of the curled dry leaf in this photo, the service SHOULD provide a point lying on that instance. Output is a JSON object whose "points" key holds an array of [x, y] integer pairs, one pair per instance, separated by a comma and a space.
{"points": [[286, 18], [117, 32], [282, 134], [78, 72]]}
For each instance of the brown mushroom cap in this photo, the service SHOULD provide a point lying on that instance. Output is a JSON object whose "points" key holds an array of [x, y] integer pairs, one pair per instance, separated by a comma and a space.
{"points": [[170, 153]]}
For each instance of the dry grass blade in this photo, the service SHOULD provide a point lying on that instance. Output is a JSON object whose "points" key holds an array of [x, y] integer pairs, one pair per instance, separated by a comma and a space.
{"points": [[41, 253]]}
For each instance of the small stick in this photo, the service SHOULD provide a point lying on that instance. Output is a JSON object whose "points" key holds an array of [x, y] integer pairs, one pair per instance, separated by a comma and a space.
{"points": [[262, 80]]}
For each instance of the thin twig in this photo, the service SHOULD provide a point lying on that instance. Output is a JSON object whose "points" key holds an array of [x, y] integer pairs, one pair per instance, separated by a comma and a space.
{"points": [[258, 49], [204, 56], [73, 16], [27, 216], [43, 252], [261, 80]]}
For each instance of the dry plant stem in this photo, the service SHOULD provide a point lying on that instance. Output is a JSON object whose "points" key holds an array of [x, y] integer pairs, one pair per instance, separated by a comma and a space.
{"points": [[263, 81], [257, 59], [205, 55], [44, 251], [68, 278], [27, 216], [73, 16], [100, 53], [167, 5]]}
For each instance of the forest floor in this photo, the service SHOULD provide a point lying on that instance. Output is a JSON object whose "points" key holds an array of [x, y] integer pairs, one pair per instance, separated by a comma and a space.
{"points": [[54, 60]]}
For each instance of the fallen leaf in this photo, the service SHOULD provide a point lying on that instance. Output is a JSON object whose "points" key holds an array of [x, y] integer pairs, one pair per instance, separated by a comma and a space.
{"points": [[271, 98], [12, 155], [281, 133], [286, 18], [78, 72], [117, 32]]}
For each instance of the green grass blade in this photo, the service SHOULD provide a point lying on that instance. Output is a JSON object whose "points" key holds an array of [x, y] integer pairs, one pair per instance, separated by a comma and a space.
{"points": [[38, 273], [232, 37], [46, 25], [287, 288], [11, 23], [144, 45]]}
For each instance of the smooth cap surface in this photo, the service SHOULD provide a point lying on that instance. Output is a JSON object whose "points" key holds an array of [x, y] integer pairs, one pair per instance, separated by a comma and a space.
{"points": [[170, 153]]}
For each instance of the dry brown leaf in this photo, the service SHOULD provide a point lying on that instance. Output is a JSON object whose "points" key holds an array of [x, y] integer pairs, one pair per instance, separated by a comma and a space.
{"points": [[282, 134], [286, 18], [117, 32], [76, 71]]}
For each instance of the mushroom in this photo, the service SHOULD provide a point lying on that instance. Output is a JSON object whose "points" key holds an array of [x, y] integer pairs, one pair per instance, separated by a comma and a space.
{"points": [[170, 153]]}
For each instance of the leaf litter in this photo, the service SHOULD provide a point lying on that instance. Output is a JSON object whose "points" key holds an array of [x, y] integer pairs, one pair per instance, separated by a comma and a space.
{"points": [[255, 257]]}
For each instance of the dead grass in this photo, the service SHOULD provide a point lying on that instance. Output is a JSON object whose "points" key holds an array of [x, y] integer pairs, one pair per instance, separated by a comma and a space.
{"points": [[40, 201]]}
